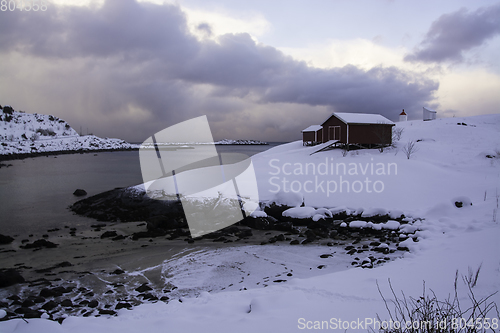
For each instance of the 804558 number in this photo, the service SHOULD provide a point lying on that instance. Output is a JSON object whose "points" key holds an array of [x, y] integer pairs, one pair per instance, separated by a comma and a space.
{"points": [[476, 324], [23, 5]]}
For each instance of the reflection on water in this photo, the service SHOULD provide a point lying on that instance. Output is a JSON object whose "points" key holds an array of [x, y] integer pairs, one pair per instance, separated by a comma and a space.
{"points": [[35, 192]]}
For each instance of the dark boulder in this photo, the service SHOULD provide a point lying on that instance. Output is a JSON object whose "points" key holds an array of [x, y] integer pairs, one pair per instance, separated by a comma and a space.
{"points": [[109, 234], [276, 211], [93, 304], [27, 303], [5, 239], [63, 264], [122, 305], [127, 206], [107, 312], [28, 313], [50, 305], [67, 303], [148, 297], [143, 288], [259, 223], [79, 192], [39, 244], [7, 109], [9, 277], [117, 272]]}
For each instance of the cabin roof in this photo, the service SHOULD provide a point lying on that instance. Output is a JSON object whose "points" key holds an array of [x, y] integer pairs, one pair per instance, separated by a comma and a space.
{"points": [[313, 128], [361, 118]]}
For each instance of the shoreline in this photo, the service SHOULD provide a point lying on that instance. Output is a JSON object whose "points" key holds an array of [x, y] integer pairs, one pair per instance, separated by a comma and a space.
{"points": [[22, 156], [90, 274]]}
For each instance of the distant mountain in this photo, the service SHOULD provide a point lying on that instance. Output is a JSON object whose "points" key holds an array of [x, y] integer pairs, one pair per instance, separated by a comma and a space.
{"points": [[239, 142], [25, 133]]}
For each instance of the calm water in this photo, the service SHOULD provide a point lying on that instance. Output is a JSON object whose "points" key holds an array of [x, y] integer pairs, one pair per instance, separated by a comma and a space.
{"points": [[35, 193]]}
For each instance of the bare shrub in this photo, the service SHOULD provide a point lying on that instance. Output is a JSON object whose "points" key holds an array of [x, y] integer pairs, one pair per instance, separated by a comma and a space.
{"points": [[433, 315], [345, 150], [46, 132], [34, 137], [396, 133], [409, 149]]}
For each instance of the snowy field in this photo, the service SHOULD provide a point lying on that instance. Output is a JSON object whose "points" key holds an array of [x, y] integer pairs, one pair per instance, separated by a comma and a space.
{"points": [[452, 162]]}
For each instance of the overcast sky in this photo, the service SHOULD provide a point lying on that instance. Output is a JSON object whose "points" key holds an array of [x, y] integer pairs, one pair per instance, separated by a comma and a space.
{"points": [[260, 69]]}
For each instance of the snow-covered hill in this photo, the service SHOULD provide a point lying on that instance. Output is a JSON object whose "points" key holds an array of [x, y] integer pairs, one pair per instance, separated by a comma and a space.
{"points": [[24, 133]]}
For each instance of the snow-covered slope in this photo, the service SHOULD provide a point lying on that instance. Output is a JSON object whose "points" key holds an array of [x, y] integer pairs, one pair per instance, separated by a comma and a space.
{"points": [[449, 160], [24, 133], [452, 163]]}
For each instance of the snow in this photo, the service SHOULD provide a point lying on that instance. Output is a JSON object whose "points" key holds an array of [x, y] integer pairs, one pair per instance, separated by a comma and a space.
{"points": [[339, 210], [391, 225], [258, 213], [317, 217], [374, 212], [362, 118], [313, 128], [300, 212], [446, 239], [24, 133], [357, 224], [220, 142], [395, 214], [325, 212]]}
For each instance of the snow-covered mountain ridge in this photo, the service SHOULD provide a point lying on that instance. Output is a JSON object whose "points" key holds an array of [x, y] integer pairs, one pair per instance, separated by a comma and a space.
{"points": [[25, 133]]}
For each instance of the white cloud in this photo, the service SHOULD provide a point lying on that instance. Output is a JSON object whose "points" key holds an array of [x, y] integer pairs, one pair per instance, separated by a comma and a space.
{"points": [[469, 92], [359, 52], [222, 22]]}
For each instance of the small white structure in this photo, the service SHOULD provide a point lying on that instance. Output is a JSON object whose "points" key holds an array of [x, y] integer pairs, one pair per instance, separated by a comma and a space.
{"points": [[403, 116], [429, 114]]}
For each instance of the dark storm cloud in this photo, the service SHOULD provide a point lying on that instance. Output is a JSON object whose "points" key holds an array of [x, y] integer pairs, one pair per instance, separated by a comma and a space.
{"points": [[452, 34], [143, 55], [118, 27]]}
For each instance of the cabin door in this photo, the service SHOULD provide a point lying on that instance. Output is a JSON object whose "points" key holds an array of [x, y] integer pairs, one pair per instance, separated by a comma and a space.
{"points": [[334, 133]]}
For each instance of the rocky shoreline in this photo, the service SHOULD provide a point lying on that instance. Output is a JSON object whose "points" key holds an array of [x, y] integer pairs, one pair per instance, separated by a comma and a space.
{"points": [[11, 157], [88, 272]]}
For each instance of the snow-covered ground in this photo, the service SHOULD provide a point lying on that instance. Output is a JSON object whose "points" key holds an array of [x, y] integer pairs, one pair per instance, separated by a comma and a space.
{"points": [[25, 133], [453, 162], [220, 142]]}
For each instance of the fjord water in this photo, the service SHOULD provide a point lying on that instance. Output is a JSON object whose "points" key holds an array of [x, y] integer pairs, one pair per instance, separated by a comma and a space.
{"points": [[35, 192]]}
